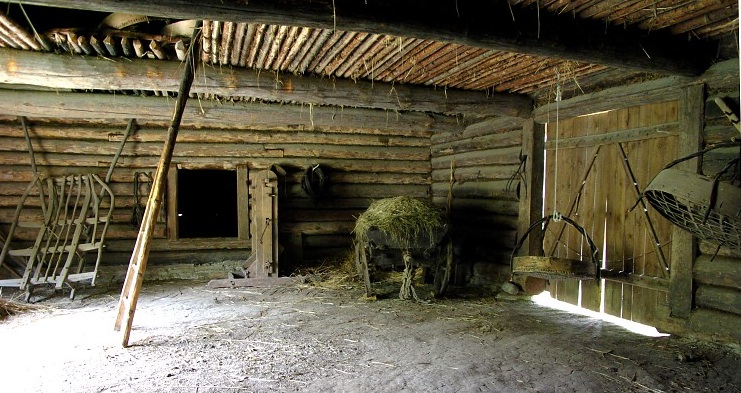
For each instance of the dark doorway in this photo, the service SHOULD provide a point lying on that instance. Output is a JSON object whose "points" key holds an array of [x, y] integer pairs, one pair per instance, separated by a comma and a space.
{"points": [[207, 203]]}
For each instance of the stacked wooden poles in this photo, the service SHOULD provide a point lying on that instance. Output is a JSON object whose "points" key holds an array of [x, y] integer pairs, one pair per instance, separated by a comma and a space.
{"points": [[138, 263]]}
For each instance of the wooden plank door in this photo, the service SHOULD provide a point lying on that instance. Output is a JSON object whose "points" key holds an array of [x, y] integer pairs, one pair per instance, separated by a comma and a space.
{"points": [[589, 179]]}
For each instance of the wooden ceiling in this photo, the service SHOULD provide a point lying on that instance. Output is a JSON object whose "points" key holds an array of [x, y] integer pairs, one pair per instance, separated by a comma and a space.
{"points": [[523, 47]]}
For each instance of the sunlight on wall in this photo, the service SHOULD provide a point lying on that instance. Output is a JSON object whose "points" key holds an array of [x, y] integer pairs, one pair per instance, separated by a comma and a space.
{"points": [[545, 300]]}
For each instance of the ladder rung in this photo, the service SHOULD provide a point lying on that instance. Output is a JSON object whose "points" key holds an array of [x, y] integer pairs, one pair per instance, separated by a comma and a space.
{"points": [[30, 224], [84, 247], [24, 252]]}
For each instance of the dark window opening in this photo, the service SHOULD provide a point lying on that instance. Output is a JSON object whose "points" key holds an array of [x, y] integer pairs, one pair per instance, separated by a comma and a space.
{"points": [[207, 203]]}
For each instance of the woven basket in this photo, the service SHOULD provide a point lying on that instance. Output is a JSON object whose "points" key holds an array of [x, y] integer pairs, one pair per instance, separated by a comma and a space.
{"points": [[686, 199]]}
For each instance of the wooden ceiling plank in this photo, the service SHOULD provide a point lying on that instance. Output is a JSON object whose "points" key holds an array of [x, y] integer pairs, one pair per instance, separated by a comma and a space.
{"points": [[443, 79], [345, 55], [600, 9], [394, 45], [320, 57], [313, 52], [528, 67], [642, 11], [215, 41], [486, 25], [717, 28], [256, 44], [301, 43], [424, 58], [371, 44], [285, 48], [249, 35], [678, 14], [505, 64], [296, 59], [275, 46], [227, 43], [333, 51], [239, 32], [446, 59], [406, 57], [267, 43], [719, 15]]}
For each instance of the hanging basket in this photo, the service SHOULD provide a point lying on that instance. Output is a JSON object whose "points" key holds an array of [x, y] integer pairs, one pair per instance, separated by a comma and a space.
{"points": [[555, 268], [705, 206], [709, 209]]}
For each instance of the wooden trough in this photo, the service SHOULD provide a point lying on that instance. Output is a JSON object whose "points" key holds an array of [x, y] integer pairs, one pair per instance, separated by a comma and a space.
{"points": [[550, 267]]}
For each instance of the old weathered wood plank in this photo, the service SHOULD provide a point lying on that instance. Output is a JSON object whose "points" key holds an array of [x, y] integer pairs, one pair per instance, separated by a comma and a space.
{"points": [[504, 156], [97, 73], [615, 98], [719, 298], [720, 271], [684, 247], [635, 134], [208, 113], [638, 280], [171, 203], [715, 325], [256, 282], [243, 202], [149, 134], [466, 144], [531, 195]]}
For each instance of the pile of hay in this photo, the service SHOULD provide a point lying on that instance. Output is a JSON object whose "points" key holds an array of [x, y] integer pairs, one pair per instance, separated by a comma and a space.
{"points": [[9, 307], [401, 219]]}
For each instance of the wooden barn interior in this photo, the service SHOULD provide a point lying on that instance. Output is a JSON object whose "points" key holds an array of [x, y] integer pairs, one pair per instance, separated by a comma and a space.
{"points": [[297, 115]]}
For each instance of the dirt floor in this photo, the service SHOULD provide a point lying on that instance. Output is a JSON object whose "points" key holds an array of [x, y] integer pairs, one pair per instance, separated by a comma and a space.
{"points": [[188, 338]]}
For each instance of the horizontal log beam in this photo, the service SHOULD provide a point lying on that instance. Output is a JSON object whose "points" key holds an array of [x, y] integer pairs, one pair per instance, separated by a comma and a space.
{"points": [[97, 73], [210, 135], [630, 135], [103, 161], [490, 25], [206, 113], [721, 271]]}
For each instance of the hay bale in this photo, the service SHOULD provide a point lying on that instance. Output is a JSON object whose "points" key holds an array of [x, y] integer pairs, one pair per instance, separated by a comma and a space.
{"points": [[402, 219]]}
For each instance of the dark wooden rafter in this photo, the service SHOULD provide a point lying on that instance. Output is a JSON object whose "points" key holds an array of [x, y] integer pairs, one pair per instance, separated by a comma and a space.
{"points": [[96, 73], [490, 25], [241, 115]]}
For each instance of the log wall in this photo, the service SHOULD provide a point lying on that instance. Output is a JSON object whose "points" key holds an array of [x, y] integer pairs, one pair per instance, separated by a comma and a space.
{"points": [[716, 277], [484, 204], [362, 163]]}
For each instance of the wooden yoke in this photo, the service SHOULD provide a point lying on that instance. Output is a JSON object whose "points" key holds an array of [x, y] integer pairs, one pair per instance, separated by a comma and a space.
{"points": [[138, 262]]}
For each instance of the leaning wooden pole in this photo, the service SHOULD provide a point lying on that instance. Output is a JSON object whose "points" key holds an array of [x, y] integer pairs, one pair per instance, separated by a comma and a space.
{"points": [[138, 263]]}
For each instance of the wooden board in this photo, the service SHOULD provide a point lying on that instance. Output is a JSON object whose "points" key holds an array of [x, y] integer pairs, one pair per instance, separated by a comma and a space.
{"points": [[602, 207]]}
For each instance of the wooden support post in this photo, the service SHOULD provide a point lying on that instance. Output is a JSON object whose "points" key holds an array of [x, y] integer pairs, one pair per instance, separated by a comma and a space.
{"points": [[172, 204], [138, 263], [243, 202], [691, 121], [531, 197]]}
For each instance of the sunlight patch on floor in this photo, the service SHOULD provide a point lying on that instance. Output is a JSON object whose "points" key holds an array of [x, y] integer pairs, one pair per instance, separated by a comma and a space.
{"points": [[545, 299]]}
